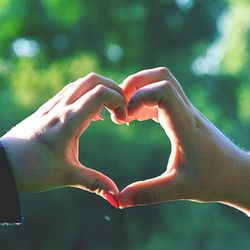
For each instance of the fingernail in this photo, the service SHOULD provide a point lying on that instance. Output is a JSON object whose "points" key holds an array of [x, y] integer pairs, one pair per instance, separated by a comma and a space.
{"points": [[101, 117], [111, 199]]}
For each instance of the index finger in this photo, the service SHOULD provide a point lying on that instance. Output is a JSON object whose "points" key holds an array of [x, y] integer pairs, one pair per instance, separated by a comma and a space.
{"points": [[87, 83], [145, 77], [81, 112]]}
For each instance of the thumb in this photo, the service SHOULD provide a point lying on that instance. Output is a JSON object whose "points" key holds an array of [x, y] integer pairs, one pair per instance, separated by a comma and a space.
{"points": [[95, 182], [163, 188]]}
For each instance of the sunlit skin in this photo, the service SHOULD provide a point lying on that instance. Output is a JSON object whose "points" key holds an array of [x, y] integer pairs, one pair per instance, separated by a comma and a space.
{"points": [[112, 199], [203, 166], [43, 149]]}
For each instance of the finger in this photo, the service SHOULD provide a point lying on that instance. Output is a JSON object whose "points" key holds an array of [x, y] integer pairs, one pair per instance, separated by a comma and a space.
{"points": [[85, 84], [145, 113], [95, 182], [155, 190], [173, 113], [145, 77], [91, 104]]}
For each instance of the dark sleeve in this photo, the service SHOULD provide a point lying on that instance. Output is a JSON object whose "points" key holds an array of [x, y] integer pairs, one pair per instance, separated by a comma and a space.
{"points": [[10, 210]]}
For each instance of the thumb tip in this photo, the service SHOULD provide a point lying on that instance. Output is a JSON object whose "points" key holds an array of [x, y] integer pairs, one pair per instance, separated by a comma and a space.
{"points": [[119, 201], [125, 200]]}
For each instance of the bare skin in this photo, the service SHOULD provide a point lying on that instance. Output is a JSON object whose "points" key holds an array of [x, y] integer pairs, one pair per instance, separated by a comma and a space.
{"points": [[204, 165], [43, 149]]}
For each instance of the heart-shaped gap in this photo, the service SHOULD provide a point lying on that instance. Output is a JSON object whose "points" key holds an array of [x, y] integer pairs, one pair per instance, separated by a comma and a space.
{"points": [[125, 153]]}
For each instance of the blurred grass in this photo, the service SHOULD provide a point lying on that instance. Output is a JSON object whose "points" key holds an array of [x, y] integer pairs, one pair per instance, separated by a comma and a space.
{"points": [[46, 44]]}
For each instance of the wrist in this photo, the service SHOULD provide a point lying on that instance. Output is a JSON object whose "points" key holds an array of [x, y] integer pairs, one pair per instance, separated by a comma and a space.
{"points": [[237, 193]]}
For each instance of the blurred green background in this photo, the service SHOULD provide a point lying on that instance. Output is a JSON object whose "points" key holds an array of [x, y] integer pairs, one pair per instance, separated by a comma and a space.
{"points": [[44, 44]]}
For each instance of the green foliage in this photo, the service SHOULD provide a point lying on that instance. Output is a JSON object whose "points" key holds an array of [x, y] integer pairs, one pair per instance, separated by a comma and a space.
{"points": [[63, 13], [236, 51], [64, 40], [31, 78], [244, 102]]}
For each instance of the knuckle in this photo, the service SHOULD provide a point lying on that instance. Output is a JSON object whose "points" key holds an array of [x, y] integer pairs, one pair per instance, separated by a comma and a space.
{"points": [[100, 90], [64, 119], [146, 196], [133, 78], [164, 71], [167, 86], [95, 185], [150, 195], [92, 76]]}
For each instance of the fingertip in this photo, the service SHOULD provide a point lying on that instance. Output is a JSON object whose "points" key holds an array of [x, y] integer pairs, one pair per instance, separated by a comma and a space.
{"points": [[112, 199], [125, 199], [97, 117], [120, 115]]}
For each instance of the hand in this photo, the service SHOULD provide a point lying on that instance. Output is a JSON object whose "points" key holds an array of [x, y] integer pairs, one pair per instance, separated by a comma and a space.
{"points": [[43, 149], [203, 165]]}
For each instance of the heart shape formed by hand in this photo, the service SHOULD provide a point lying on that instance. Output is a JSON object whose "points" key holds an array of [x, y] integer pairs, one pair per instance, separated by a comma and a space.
{"points": [[153, 94], [51, 138], [143, 144]]}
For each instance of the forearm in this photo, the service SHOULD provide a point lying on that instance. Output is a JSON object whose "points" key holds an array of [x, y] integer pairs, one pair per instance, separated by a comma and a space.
{"points": [[239, 194]]}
